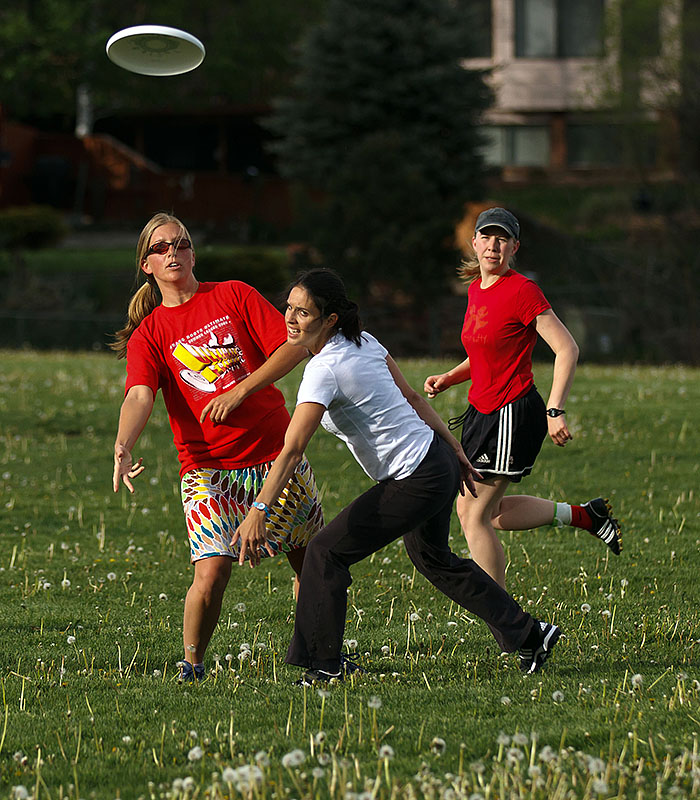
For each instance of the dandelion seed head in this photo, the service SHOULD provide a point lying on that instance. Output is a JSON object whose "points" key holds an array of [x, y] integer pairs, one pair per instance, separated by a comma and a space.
{"points": [[637, 680], [195, 753], [294, 758], [262, 759], [386, 751], [320, 737], [228, 775], [70, 639], [505, 700], [324, 759], [126, 739], [162, 596], [374, 702], [585, 608], [20, 792], [558, 696], [599, 786], [503, 740], [111, 576], [438, 745], [240, 607], [520, 739]]}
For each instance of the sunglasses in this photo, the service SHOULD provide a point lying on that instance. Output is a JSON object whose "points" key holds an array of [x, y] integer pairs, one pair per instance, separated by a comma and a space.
{"points": [[161, 248]]}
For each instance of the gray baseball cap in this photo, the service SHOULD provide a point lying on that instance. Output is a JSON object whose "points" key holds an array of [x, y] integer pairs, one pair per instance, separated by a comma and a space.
{"points": [[498, 218]]}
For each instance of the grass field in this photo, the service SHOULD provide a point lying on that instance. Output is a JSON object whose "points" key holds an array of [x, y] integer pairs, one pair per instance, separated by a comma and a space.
{"points": [[92, 587]]}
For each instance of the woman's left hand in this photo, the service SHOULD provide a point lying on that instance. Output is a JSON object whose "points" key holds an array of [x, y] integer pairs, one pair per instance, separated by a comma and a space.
{"points": [[558, 430], [468, 474], [253, 536]]}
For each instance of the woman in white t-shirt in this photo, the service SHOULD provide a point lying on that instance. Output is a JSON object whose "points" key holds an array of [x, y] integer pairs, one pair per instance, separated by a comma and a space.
{"points": [[354, 389]]}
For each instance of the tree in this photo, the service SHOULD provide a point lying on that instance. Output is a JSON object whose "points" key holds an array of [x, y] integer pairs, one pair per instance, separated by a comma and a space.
{"points": [[54, 68], [383, 125]]}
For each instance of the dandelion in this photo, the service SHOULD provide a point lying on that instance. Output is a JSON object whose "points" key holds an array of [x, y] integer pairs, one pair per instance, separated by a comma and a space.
{"points": [[386, 751], [20, 792], [547, 754], [414, 617], [71, 640], [240, 607], [351, 644], [438, 745], [320, 737], [162, 596], [188, 783], [558, 696], [157, 673], [637, 681], [503, 740], [65, 583], [195, 753], [477, 767], [596, 765], [605, 612], [111, 576], [248, 776], [323, 759], [317, 773], [585, 608], [193, 734], [294, 758], [599, 786], [534, 771], [262, 759], [126, 739], [505, 700], [520, 739], [385, 649], [228, 775], [514, 755], [324, 694], [374, 702]]}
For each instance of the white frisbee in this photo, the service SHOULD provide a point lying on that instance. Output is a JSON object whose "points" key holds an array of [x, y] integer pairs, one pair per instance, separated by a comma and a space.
{"points": [[155, 50]]}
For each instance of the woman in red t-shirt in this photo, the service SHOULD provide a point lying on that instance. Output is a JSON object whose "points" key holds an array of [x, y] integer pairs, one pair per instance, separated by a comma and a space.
{"points": [[507, 420], [209, 347]]}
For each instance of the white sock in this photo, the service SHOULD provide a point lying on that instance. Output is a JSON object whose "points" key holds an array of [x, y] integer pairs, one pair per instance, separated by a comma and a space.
{"points": [[562, 515]]}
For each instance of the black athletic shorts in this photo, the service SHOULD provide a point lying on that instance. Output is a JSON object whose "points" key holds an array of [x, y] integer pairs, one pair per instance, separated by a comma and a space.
{"points": [[505, 442]]}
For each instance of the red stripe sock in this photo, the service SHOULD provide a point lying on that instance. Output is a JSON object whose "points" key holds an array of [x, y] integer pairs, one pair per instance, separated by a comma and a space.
{"points": [[580, 518]]}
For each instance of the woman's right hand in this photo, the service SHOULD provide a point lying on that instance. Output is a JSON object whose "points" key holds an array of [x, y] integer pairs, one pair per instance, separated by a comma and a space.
{"points": [[434, 384], [124, 468]]}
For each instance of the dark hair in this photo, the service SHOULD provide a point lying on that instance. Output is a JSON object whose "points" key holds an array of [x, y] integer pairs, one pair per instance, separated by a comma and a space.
{"points": [[327, 290]]}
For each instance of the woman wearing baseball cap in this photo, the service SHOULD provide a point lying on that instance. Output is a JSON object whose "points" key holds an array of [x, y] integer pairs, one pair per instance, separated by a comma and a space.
{"points": [[506, 421]]}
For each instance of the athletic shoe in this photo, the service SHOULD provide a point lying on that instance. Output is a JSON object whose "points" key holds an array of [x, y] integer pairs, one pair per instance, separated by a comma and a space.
{"points": [[532, 659], [605, 526], [190, 673], [347, 667]]}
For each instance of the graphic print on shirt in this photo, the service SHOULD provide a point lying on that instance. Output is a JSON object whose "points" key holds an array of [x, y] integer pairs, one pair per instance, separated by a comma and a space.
{"points": [[475, 321], [210, 356]]}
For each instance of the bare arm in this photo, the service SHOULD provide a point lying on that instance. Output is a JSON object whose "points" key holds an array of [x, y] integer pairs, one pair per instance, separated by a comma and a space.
{"points": [[134, 414], [282, 361], [252, 533], [434, 384], [428, 414], [565, 350]]}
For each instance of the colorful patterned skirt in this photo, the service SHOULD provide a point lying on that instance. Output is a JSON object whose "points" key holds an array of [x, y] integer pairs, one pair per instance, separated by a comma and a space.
{"points": [[216, 501]]}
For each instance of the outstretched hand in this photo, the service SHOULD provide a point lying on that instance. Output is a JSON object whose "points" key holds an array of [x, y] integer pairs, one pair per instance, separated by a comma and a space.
{"points": [[219, 407], [252, 534], [125, 469], [434, 384]]}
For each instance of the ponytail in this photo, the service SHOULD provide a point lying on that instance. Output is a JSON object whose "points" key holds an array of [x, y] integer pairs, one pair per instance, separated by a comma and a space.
{"points": [[144, 300]]}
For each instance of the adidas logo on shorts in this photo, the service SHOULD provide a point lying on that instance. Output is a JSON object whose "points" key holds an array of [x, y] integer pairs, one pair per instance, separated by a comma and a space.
{"points": [[483, 459]]}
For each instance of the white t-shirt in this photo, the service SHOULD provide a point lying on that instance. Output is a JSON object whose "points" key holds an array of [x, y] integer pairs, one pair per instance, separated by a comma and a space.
{"points": [[365, 407]]}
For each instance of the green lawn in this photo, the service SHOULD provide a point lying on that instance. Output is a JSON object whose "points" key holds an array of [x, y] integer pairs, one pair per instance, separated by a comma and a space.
{"points": [[92, 587]]}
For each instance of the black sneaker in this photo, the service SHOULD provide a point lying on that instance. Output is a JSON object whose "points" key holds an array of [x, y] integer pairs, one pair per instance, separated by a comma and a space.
{"points": [[532, 659], [190, 673], [347, 667], [605, 526], [312, 676]]}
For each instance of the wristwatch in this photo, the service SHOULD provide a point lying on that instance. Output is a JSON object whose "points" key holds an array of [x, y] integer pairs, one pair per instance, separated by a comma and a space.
{"points": [[261, 507], [555, 412]]}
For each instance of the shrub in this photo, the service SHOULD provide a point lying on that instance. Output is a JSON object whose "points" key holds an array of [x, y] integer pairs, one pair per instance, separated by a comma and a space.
{"points": [[31, 227], [267, 269]]}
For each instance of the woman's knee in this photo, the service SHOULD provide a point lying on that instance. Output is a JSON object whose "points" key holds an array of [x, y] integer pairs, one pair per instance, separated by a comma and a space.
{"points": [[211, 575]]}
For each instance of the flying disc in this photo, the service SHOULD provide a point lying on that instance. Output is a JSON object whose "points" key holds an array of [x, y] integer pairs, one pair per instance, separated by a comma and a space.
{"points": [[155, 50]]}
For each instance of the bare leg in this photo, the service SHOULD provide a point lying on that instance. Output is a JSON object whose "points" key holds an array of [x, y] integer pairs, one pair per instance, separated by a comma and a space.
{"points": [[296, 560], [476, 514], [520, 512], [203, 604]]}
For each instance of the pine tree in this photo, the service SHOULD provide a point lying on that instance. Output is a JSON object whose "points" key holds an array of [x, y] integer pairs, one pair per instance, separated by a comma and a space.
{"points": [[384, 126]]}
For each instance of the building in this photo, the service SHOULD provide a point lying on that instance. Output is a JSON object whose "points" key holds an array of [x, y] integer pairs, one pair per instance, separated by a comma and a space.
{"points": [[570, 76]]}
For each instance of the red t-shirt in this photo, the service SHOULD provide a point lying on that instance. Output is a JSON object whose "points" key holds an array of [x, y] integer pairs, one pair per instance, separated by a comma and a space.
{"points": [[200, 349], [499, 335]]}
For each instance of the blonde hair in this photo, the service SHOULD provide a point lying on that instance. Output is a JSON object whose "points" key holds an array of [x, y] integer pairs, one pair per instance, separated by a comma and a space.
{"points": [[146, 297]]}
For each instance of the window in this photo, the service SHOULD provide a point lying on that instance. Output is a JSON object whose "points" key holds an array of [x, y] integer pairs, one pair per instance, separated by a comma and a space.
{"points": [[611, 145], [516, 145], [558, 28]]}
